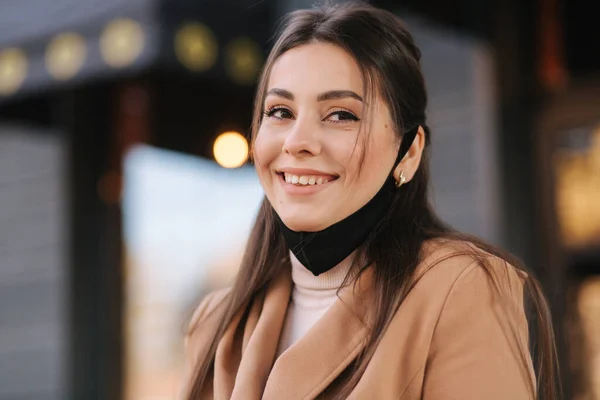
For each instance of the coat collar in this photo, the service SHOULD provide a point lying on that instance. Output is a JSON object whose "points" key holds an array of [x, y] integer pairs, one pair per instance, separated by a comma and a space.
{"points": [[245, 366]]}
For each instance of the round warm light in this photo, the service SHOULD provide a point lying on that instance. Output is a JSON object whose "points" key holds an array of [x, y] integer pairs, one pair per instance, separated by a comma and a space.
{"points": [[196, 47], [231, 150], [13, 70], [65, 55], [122, 42], [243, 60]]}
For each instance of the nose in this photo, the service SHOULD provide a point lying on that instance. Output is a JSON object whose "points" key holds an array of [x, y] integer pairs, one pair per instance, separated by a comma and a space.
{"points": [[303, 140]]}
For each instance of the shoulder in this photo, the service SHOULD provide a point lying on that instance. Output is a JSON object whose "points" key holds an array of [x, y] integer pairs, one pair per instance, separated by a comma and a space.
{"points": [[448, 266], [204, 324], [457, 258], [467, 286], [201, 328], [207, 307], [479, 329]]}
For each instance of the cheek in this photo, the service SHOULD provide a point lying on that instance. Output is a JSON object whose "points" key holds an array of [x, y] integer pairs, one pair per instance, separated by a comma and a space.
{"points": [[372, 161], [352, 164], [265, 152], [344, 151], [355, 158]]}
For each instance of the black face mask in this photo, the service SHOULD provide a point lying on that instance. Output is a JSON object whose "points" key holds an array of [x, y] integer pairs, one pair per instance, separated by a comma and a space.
{"points": [[321, 251]]}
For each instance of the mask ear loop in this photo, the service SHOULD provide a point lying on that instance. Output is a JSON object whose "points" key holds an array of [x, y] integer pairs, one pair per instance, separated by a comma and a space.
{"points": [[407, 140]]}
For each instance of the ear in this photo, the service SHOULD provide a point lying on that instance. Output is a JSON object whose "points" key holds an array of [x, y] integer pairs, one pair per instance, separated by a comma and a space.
{"points": [[410, 163]]}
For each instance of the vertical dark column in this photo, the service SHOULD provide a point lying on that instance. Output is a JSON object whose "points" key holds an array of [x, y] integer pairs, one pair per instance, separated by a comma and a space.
{"points": [[553, 271], [524, 156], [95, 251], [552, 76], [514, 43]]}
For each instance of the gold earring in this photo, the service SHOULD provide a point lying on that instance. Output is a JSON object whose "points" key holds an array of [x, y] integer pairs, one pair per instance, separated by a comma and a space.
{"points": [[402, 180]]}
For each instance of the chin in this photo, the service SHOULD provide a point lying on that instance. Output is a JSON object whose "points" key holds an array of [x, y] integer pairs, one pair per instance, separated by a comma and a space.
{"points": [[300, 223]]}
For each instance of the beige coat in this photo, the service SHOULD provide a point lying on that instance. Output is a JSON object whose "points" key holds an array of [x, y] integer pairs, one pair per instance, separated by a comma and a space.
{"points": [[453, 337]]}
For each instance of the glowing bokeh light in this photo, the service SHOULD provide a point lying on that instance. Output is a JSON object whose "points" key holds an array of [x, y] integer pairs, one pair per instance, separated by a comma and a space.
{"points": [[231, 149]]}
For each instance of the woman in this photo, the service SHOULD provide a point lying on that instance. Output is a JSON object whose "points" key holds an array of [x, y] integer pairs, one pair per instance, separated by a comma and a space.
{"points": [[350, 286]]}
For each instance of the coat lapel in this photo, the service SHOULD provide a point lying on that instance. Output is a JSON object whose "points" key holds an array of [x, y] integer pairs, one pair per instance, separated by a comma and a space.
{"points": [[262, 340], [325, 350], [246, 351], [245, 366], [227, 359]]}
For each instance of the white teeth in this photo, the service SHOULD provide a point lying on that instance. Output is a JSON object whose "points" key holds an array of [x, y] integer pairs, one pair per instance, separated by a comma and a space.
{"points": [[304, 179]]}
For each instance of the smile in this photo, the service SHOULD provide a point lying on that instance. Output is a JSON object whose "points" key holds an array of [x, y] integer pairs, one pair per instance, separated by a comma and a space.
{"points": [[305, 180], [305, 184]]}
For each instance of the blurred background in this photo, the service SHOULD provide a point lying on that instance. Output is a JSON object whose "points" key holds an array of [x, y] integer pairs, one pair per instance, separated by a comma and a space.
{"points": [[124, 194]]}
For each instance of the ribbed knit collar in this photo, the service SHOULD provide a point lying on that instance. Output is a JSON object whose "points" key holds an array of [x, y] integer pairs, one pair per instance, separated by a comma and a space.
{"points": [[312, 292]]}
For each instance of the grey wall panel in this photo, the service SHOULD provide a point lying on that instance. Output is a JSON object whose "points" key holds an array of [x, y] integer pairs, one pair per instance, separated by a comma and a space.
{"points": [[33, 285], [462, 116]]}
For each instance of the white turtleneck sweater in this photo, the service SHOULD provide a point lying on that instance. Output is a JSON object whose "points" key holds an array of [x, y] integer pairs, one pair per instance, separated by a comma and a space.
{"points": [[311, 298]]}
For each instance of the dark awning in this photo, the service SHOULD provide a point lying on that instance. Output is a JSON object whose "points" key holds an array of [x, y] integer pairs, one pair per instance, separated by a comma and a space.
{"points": [[46, 45]]}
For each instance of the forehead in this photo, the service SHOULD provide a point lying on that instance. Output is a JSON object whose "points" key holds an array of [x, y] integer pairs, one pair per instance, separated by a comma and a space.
{"points": [[314, 68]]}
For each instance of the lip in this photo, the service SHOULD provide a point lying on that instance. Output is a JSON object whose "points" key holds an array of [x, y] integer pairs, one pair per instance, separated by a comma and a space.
{"points": [[306, 171], [298, 190]]}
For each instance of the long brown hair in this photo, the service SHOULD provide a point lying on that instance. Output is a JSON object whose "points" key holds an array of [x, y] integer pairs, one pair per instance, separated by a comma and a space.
{"points": [[389, 60]]}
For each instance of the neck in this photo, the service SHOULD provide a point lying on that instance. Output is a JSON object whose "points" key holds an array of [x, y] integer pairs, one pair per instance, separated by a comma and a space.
{"points": [[316, 291], [311, 298]]}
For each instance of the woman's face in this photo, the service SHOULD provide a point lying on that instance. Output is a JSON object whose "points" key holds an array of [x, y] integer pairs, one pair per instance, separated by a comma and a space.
{"points": [[308, 147]]}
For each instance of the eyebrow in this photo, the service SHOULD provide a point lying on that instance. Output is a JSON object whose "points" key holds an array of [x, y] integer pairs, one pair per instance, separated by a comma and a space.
{"points": [[329, 95]]}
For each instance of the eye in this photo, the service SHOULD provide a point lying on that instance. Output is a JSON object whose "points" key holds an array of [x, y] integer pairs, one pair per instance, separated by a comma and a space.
{"points": [[342, 116], [279, 112]]}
